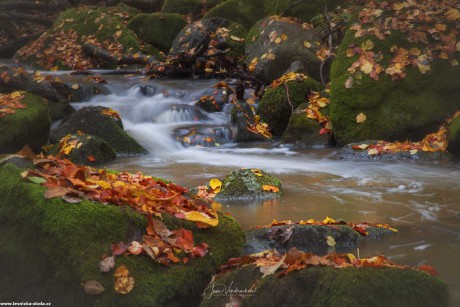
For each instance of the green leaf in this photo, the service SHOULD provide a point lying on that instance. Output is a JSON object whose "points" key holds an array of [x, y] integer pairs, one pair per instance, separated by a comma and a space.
{"points": [[37, 180]]}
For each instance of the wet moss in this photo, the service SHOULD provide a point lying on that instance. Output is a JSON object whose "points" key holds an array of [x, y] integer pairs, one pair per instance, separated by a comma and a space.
{"points": [[158, 30], [246, 13], [26, 126], [326, 286], [69, 239], [274, 108]]}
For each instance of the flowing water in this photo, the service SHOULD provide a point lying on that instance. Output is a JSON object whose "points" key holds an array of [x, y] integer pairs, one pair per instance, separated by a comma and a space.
{"points": [[422, 200]]}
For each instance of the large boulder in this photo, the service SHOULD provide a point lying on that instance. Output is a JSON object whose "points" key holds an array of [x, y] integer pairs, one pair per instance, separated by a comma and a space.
{"points": [[193, 8], [304, 131], [453, 136], [327, 286], [303, 10], [275, 107], [61, 45], [249, 184], [273, 43], [401, 76], [225, 34], [29, 125], [147, 6], [158, 30], [50, 247], [102, 122], [246, 13]]}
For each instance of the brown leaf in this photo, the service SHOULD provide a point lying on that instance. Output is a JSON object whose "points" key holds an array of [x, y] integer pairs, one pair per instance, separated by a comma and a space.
{"points": [[56, 192], [92, 287]]}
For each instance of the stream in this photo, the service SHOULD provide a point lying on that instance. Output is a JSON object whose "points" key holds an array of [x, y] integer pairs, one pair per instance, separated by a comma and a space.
{"points": [[422, 200]]}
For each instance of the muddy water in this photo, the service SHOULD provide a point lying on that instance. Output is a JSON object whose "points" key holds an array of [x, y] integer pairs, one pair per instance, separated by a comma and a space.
{"points": [[421, 200]]}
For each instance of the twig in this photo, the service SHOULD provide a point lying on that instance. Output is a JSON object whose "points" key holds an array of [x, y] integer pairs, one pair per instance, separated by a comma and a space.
{"points": [[288, 99]]}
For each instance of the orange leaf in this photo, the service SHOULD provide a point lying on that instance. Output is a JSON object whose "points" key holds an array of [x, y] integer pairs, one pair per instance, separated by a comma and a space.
{"points": [[270, 188]]}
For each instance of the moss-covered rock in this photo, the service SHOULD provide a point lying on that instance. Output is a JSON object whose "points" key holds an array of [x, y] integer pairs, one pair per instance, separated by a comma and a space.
{"points": [[242, 12], [146, 6], [54, 246], [453, 136], [275, 109], [326, 286], [247, 184], [88, 150], [304, 131], [308, 238], [59, 110], [304, 10], [274, 43], [26, 126], [61, 45], [402, 109], [158, 30], [225, 34], [194, 8], [101, 122]]}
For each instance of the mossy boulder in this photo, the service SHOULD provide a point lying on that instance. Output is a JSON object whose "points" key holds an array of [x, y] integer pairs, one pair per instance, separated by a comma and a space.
{"points": [[225, 34], [326, 286], [242, 116], [304, 131], [193, 8], [159, 29], [101, 122], [351, 152], [249, 184], [26, 126], [246, 13], [146, 6], [49, 247], [273, 43], [62, 44], [59, 110], [453, 136], [396, 110], [88, 150], [309, 238], [304, 10], [275, 108]]}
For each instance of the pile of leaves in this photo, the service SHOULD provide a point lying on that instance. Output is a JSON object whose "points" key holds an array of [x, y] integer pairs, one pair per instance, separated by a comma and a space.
{"points": [[10, 102], [270, 261], [433, 25], [144, 194], [313, 111], [361, 227]]}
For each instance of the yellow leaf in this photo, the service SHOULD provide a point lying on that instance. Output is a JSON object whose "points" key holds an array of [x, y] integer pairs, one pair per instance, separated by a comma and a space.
{"points": [[208, 70], [328, 221], [196, 216], [360, 118], [103, 184], [307, 44], [367, 45], [123, 285], [278, 40], [118, 33], [216, 185], [75, 86], [351, 257], [283, 37], [372, 152], [15, 94], [367, 67], [330, 241], [413, 151], [423, 68], [270, 56], [398, 6], [457, 46], [270, 188], [415, 51], [452, 14], [363, 146], [235, 38]]}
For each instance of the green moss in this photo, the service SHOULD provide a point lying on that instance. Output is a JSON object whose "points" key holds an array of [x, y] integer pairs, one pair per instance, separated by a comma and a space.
{"points": [[183, 7], [304, 11], [70, 239], [453, 136], [253, 33], [26, 126], [274, 108], [245, 13], [158, 30], [395, 110], [326, 286], [236, 47]]}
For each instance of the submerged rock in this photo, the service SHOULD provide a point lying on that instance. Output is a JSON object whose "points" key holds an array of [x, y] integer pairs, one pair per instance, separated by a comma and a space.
{"points": [[102, 122], [66, 242], [30, 125], [249, 183]]}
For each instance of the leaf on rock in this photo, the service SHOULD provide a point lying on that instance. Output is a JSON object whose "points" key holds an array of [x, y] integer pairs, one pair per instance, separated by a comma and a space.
{"points": [[123, 285], [93, 287], [330, 241], [361, 118], [271, 269], [216, 185], [37, 180], [270, 188], [107, 264]]}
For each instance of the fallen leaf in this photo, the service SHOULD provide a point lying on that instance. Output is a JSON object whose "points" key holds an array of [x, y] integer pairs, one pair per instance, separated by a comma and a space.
{"points": [[269, 270], [270, 188], [56, 192], [330, 241], [123, 285], [121, 271], [75, 86], [135, 248], [107, 264], [216, 185], [360, 118], [92, 287]]}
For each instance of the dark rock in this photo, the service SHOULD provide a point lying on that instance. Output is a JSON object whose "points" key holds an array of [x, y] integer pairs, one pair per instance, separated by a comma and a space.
{"points": [[147, 90], [271, 55], [247, 184], [90, 150], [59, 110], [93, 121], [304, 131], [242, 116], [204, 136], [214, 99]]}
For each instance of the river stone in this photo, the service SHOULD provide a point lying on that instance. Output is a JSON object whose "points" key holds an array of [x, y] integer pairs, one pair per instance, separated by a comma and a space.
{"points": [[453, 136], [304, 131], [203, 136], [327, 286], [225, 34], [242, 116], [93, 150], [26, 126], [396, 110], [214, 99], [308, 238], [273, 55], [49, 247], [159, 29], [92, 121], [247, 184], [274, 108], [348, 153]]}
